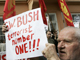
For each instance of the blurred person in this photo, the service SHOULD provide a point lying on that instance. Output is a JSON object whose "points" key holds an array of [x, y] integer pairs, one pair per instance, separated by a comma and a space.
{"points": [[50, 40], [54, 34], [68, 45]]}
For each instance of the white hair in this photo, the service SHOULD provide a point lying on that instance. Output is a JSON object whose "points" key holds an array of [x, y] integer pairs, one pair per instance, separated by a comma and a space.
{"points": [[77, 32]]}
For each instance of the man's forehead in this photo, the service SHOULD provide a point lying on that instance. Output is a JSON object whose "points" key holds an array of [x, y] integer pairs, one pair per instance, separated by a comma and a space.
{"points": [[64, 39], [67, 31], [66, 34]]}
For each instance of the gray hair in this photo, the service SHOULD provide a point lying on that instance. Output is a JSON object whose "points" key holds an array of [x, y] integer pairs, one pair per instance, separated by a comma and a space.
{"points": [[77, 32]]}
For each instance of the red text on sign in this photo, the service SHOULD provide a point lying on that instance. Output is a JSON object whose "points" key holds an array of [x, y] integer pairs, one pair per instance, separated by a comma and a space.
{"points": [[17, 33], [22, 39], [25, 48]]}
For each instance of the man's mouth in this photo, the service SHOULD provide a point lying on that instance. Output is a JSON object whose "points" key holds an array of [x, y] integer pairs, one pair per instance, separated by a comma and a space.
{"points": [[62, 52]]}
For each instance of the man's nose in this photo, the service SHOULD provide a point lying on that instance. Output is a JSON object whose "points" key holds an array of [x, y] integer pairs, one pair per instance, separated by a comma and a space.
{"points": [[61, 44]]}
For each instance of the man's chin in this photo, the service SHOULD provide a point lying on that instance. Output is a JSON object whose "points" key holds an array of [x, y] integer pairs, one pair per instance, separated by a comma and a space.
{"points": [[63, 58]]}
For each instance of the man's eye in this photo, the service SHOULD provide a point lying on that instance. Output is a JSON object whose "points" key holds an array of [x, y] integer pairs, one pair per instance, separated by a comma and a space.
{"points": [[68, 41]]}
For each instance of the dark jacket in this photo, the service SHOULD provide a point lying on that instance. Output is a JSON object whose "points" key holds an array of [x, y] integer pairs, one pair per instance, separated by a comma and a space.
{"points": [[53, 41], [50, 40]]}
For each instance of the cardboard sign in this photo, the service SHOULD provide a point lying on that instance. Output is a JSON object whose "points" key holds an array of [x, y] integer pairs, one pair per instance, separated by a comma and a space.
{"points": [[26, 37]]}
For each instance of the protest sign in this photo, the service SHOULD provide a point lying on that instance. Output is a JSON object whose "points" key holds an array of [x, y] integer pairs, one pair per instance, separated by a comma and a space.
{"points": [[3, 55], [26, 37]]}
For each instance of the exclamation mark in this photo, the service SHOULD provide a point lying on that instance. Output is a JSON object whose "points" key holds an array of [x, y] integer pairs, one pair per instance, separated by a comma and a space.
{"points": [[38, 44], [23, 59], [34, 44], [30, 45]]}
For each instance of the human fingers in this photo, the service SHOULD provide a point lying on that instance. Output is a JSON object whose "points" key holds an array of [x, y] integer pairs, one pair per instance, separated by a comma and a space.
{"points": [[50, 52], [44, 52], [47, 44], [4, 29], [4, 26]]}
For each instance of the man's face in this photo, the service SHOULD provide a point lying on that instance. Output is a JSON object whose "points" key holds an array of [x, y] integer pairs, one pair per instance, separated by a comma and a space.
{"points": [[48, 34], [68, 46]]}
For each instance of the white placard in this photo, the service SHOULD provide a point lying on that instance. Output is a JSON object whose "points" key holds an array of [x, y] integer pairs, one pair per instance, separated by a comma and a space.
{"points": [[26, 37], [3, 55]]}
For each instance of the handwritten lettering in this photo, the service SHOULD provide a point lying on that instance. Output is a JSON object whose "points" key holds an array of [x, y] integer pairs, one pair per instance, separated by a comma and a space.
{"points": [[23, 20], [17, 33], [22, 39], [23, 48]]}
